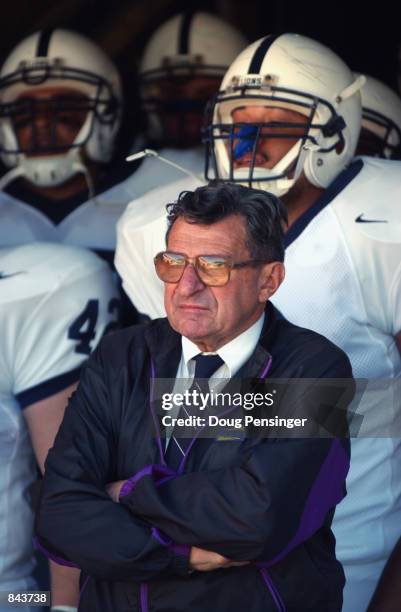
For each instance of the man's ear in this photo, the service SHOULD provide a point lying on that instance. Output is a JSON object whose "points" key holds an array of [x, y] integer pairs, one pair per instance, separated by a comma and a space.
{"points": [[271, 277]]}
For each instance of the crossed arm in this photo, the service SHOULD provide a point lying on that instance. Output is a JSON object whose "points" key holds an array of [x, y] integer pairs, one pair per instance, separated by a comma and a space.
{"points": [[199, 559]]}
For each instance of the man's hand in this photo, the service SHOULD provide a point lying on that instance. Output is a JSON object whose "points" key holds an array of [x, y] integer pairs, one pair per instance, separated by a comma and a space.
{"points": [[199, 559], [113, 489], [206, 560]]}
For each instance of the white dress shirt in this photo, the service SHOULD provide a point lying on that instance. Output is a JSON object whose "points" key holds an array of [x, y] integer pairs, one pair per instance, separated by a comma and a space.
{"points": [[234, 354]]}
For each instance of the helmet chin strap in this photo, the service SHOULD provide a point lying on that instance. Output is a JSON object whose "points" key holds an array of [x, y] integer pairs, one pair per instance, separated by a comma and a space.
{"points": [[49, 171]]}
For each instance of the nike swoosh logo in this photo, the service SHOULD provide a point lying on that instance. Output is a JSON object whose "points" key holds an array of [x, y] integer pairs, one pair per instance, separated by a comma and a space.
{"points": [[2, 275], [361, 220]]}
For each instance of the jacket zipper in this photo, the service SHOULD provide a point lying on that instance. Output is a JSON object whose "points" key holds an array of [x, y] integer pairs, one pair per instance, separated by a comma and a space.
{"points": [[143, 597], [273, 591]]}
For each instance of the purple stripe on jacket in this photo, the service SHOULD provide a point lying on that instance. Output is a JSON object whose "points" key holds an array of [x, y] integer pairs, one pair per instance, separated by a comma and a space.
{"points": [[326, 492], [273, 591], [143, 590], [53, 557], [158, 472], [178, 549]]}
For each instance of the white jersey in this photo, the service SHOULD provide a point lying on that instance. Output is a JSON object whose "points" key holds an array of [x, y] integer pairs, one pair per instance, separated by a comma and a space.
{"points": [[343, 280], [141, 235], [92, 223], [55, 304]]}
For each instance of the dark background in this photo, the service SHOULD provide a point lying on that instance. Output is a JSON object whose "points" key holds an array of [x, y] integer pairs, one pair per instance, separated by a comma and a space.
{"points": [[366, 38]]}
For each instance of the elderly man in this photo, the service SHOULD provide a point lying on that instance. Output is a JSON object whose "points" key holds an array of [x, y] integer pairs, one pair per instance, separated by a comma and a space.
{"points": [[213, 524]]}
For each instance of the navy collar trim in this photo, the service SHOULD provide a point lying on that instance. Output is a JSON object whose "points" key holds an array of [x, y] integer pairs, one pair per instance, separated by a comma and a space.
{"points": [[332, 191]]}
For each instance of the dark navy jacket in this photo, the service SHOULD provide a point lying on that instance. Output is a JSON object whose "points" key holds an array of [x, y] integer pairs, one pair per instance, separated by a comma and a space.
{"points": [[270, 501]]}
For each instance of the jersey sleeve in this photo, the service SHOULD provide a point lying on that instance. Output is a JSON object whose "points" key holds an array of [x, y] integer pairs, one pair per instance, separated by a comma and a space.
{"points": [[60, 326]]}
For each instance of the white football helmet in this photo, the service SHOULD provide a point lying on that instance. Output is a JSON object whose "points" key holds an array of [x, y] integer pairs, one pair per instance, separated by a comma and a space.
{"points": [[381, 116], [294, 73], [188, 46], [58, 59]]}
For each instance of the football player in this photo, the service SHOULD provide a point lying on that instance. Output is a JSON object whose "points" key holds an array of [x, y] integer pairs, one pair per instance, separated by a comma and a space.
{"points": [[60, 115], [56, 302], [181, 69], [380, 134]]}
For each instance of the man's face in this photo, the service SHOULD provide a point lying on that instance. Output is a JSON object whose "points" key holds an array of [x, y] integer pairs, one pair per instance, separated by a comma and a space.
{"points": [[49, 117], [269, 150], [212, 316]]}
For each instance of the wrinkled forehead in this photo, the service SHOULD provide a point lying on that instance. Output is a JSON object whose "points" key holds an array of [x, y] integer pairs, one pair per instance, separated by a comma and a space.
{"points": [[225, 237]]}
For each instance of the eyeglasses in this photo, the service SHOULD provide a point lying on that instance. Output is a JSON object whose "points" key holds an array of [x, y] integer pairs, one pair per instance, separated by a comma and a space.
{"points": [[212, 270]]}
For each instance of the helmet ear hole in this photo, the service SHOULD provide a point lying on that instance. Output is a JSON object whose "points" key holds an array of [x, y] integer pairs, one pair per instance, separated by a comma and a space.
{"points": [[334, 126], [340, 147]]}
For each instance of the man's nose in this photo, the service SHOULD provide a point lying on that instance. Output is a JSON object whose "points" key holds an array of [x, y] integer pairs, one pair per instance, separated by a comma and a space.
{"points": [[43, 121], [190, 282], [43, 130]]}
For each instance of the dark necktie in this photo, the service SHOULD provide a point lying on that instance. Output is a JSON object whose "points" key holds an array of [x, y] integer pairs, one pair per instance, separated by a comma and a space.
{"points": [[205, 366]]}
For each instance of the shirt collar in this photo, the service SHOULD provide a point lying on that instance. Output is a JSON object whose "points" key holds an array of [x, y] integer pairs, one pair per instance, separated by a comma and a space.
{"points": [[235, 353]]}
